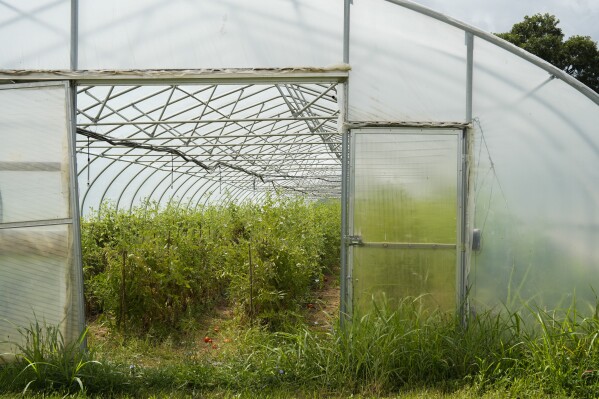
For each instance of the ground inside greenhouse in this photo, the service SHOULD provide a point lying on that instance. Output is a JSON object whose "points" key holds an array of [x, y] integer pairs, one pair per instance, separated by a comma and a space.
{"points": [[210, 337]]}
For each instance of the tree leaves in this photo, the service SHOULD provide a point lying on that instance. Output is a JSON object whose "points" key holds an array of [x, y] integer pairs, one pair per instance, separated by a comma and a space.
{"points": [[540, 35]]}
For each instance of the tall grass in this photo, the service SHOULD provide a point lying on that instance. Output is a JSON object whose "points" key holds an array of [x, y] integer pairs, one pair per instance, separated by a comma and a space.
{"points": [[539, 353], [387, 351], [45, 361]]}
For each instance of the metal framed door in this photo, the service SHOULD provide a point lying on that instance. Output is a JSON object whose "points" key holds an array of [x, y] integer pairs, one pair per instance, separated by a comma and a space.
{"points": [[40, 259], [405, 217]]}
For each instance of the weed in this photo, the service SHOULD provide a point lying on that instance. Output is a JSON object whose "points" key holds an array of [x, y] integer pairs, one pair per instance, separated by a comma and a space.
{"points": [[44, 361]]}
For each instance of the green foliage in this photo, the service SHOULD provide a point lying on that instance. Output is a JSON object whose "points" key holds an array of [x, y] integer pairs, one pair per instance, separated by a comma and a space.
{"points": [[46, 362], [409, 348], [534, 354], [153, 268], [558, 352], [540, 35], [581, 57]]}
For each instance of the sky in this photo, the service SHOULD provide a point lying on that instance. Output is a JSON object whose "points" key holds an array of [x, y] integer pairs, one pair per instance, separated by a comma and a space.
{"points": [[577, 17]]}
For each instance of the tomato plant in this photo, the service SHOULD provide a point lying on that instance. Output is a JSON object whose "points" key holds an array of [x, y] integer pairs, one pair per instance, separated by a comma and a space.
{"points": [[153, 267]]}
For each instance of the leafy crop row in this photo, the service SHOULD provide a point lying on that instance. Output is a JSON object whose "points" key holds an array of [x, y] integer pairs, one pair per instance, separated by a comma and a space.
{"points": [[153, 268]]}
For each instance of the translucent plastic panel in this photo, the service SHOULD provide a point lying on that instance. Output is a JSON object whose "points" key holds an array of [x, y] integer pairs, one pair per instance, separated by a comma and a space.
{"points": [[35, 34], [391, 275], [405, 66], [37, 282], [535, 185], [210, 34], [404, 205], [405, 187], [39, 275], [34, 156]]}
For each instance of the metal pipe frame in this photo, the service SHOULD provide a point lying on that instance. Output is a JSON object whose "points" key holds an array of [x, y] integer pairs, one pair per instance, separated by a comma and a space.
{"points": [[74, 203], [147, 77], [464, 200], [206, 121], [291, 156]]}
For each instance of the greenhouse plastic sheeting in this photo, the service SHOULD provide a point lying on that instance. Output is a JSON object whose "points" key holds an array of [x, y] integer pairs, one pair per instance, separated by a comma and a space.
{"points": [[528, 156], [209, 34], [537, 151], [405, 66], [35, 34], [34, 167], [40, 276], [532, 190]]}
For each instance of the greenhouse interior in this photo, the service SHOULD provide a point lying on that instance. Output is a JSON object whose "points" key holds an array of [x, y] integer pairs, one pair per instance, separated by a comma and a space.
{"points": [[465, 167]]}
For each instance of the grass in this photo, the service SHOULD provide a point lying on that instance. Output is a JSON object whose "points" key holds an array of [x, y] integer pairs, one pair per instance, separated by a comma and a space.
{"points": [[46, 361], [283, 394], [406, 351]]}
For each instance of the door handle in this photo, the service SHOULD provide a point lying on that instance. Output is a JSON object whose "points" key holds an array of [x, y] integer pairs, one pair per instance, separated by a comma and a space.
{"points": [[476, 239]]}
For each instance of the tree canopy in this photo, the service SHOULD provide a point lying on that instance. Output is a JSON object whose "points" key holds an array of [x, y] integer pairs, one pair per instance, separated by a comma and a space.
{"points": [[541, 36]]}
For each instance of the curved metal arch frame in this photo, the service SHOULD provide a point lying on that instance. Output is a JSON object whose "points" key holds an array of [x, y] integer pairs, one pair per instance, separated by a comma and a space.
{"points": [[259, 141], [114, 161]]}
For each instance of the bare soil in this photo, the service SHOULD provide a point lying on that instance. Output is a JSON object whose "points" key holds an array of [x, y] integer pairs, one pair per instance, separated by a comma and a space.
{"points": [[325, 309]]}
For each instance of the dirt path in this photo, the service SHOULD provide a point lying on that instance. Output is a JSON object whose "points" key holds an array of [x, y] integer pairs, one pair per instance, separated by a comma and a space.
{"points": [[209, 336], [323, 313]]}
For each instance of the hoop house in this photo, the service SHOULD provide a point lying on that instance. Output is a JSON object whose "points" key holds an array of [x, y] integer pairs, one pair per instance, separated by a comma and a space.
{"points": [[466, 167]]}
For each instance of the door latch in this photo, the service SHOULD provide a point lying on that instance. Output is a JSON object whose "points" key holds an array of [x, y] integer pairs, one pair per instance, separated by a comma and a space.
{"points": [[354, 240]]}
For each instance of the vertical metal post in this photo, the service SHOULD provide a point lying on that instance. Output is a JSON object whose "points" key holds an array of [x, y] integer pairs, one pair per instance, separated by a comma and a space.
{"points": [[469, 74], [251, 284], [75, 212], [464, 188], [74, 61], [344, 305], [346, 8], [462, 252]]}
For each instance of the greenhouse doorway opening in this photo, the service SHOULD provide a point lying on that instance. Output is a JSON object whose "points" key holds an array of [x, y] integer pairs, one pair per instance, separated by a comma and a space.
{"points": [[407, 193]]}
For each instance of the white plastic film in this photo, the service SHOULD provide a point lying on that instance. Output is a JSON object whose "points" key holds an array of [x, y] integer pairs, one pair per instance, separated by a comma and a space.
{"points": [[405, 66], [35, 34], [210, 34], [537, 147], [34, 156], [37, 283]]}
